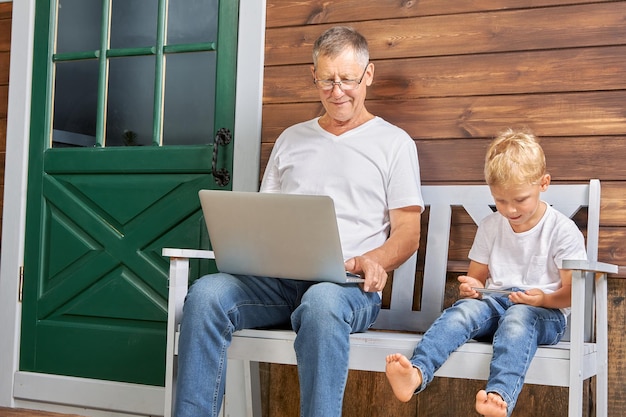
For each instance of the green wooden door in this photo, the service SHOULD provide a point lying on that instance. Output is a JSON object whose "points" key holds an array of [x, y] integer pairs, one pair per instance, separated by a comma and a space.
{"points": [[128, 96]]}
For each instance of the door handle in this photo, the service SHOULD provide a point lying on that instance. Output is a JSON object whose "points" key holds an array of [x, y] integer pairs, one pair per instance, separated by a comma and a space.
{"points": [[221, 176]]}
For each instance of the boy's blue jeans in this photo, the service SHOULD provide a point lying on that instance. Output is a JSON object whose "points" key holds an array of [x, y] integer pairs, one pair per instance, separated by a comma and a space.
{"points": [[516, 331], [322, 314]]}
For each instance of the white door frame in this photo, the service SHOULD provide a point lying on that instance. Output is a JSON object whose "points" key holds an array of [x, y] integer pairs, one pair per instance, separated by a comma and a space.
{"points": [[79, 395]]}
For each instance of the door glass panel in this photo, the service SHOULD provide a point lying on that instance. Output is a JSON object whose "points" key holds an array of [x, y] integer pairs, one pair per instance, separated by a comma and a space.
{"points": [[114, 102], [189, 91], [75, 104], [130, 101], [192, 21], [76, 22], [133, 23]]}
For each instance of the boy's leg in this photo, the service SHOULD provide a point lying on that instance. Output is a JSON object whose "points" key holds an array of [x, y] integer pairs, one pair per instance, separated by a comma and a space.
{"points": [[216, 306], [466, 319], [323, 323], [521, 330]]}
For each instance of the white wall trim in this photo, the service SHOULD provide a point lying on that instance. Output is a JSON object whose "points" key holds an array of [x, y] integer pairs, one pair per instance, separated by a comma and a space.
{"points": [[249, 95], [78, 395], [96, 395], [16, 166]]}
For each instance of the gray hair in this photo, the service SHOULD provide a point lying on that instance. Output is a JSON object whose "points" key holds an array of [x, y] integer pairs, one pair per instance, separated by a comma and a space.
{"points": [[336, 40]]}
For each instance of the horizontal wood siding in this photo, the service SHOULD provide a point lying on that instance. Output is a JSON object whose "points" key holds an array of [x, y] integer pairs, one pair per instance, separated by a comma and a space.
{"points": [[453, 74]]}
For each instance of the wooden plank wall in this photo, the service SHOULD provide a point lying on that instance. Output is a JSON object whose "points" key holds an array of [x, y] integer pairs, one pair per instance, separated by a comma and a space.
{"points": [[6, 10], [453, 74]]}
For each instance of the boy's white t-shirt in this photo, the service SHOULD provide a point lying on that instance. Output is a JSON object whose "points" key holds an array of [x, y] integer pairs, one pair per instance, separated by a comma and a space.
{"points": [[530, 259], [366, 171]]}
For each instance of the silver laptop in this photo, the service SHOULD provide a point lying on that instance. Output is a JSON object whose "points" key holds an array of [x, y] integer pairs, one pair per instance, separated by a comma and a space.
{"points": [[275, 235]]}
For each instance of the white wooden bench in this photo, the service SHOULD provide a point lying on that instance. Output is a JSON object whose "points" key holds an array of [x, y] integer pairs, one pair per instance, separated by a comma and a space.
{"points": [[566, 364]]}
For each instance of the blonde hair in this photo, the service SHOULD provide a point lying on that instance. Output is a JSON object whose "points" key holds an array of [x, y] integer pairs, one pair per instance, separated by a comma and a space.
{"points": [[514, 158]]}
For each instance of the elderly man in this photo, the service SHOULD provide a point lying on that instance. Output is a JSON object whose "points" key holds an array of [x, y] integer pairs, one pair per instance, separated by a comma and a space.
{"points": [[370, 169]]}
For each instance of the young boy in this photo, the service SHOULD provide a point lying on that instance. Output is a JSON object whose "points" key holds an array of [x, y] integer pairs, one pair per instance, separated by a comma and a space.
{"points": [[520, 248]]}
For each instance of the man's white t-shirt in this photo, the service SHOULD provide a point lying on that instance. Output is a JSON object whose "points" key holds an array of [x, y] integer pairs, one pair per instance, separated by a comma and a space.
{"points": [[367, 171], [530, 259]]}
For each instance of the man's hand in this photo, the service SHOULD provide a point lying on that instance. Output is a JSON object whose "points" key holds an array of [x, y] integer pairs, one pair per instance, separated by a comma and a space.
{"points": [[374, 274]]}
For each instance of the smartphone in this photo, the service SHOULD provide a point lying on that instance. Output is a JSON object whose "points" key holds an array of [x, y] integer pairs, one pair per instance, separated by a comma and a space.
{"points": [[492, 291]]}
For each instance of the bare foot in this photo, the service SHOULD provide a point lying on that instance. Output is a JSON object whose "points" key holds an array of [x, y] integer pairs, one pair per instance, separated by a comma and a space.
{"points": [[490, 404], [403, 377]]}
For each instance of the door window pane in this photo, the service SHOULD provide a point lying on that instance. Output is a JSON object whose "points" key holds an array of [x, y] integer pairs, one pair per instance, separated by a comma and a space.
{"points": [[78, 25], [192, 21], [129, 76], [75, 104], [133, 23], [130, 101], [189, 94]]}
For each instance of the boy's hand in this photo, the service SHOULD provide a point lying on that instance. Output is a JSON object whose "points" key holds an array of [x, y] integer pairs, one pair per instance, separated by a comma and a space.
{"points": [[533, 297], [466, 290]]}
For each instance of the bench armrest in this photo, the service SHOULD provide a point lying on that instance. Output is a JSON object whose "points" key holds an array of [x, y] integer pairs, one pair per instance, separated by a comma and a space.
{"points": [[178, 282], [591, 266], [589, 306], [178, 279], [188, 253]]}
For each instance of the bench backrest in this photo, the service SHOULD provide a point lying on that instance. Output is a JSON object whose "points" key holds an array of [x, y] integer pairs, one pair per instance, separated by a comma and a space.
{"points": [[477, 201]]}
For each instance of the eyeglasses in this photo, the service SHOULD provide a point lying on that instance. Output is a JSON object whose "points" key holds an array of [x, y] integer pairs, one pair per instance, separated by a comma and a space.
{"points": [[345, 85]]}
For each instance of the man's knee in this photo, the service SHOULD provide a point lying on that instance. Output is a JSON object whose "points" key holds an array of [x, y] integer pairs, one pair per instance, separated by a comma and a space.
{"points": [[320, 305], [207, 291], [322, 295]]}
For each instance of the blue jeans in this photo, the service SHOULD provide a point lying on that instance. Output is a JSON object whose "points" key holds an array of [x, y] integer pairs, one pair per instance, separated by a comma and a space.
{"points": [[322, 314], [515, 330]]}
